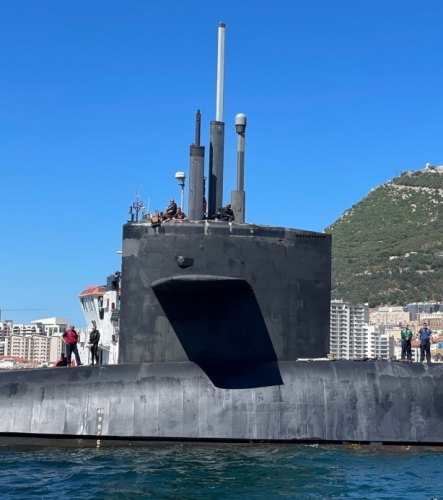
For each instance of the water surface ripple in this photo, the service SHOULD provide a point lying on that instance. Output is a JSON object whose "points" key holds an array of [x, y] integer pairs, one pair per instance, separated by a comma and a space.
{"points": [[221, 471]]}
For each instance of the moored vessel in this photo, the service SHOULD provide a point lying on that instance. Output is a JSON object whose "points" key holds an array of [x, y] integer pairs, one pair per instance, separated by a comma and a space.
{"points": [[214, 317]]}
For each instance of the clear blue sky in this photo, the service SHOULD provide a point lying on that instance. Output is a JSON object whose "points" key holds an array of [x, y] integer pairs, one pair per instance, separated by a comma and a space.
{"points": [[98, 98]]}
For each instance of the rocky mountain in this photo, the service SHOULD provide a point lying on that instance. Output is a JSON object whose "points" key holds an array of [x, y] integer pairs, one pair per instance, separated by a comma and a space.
{"points": [[388, 248]]}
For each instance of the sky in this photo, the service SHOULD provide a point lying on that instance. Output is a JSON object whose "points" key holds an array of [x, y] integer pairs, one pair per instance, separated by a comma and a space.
{"points": [[98, 101]]}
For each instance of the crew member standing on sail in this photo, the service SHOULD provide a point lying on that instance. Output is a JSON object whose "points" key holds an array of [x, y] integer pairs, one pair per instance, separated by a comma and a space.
{"points": [[94, 339], [71, 338]]}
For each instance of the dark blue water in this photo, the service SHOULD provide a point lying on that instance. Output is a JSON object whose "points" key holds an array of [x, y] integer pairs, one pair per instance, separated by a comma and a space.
{"points": [[221, 471]]}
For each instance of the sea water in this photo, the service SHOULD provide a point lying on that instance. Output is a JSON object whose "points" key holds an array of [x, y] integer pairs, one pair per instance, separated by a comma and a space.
{"points": [[179, 471]]}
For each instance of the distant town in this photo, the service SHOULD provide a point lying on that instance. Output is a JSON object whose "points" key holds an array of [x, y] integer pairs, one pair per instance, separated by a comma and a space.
{"points": [[34, 345], [356, 333], [40, 343], [359, 333]]}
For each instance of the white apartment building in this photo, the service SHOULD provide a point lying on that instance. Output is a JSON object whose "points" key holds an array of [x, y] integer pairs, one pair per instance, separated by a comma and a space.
{"points": [[51, 326], [27, 329], [33, 347], [348, 338], [40, 341], [381, 344]]}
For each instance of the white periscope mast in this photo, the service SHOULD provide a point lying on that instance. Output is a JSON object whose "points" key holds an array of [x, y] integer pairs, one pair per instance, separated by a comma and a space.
{"points": [[101, 306]]}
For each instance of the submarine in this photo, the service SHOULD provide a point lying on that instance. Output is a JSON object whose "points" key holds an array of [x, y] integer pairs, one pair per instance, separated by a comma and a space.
{"points": [[224, 336]]}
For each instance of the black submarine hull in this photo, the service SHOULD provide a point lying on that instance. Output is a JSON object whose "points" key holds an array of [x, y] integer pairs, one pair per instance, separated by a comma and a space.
{"points": [[213, 319], [321, 401]]}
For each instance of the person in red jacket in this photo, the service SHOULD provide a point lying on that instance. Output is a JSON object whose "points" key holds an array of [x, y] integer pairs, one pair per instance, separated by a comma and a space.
{"points": [[71, 338]]}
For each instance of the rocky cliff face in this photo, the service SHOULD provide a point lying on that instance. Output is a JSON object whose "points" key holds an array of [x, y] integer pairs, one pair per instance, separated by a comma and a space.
{"points": [[388, 248]]}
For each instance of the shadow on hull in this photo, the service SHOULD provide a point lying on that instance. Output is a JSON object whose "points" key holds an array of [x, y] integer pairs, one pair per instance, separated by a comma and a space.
{"points": [[221, 328]]}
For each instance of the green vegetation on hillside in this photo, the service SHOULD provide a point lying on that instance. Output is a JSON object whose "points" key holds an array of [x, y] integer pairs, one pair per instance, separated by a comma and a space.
{"points": [[388, 248]]}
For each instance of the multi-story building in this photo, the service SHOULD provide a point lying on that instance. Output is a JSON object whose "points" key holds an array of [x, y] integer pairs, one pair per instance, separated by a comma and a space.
{"points": [[389, 315], [28, 329], [18, 345], [39, 348], [52, 326], [40, 341], [348, 339], [380, 342], [6, 327], [434, 321], [417, 308]]}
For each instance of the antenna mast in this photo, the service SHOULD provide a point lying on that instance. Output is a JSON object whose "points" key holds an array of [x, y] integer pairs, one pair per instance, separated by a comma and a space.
{"points": [[217, 134]]}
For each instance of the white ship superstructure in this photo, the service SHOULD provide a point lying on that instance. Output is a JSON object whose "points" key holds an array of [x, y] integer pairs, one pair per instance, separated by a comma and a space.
{"points": [[101, 306]]}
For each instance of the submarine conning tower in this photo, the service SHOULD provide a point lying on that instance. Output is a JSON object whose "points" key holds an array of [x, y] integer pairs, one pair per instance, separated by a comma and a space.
{"points": [[223, 295], [235, 298]]}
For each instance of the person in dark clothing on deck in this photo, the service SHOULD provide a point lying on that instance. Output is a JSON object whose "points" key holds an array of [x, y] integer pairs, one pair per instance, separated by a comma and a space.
{"points": [[62, 361], [224, 214], [425, 336], [171, 210], [94, 339], [229, 212]]}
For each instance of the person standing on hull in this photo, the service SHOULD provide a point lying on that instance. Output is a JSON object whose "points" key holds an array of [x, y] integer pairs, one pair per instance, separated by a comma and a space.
{"points": [[406, 337], [425, 337], [70, 338], [94, 339]]}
